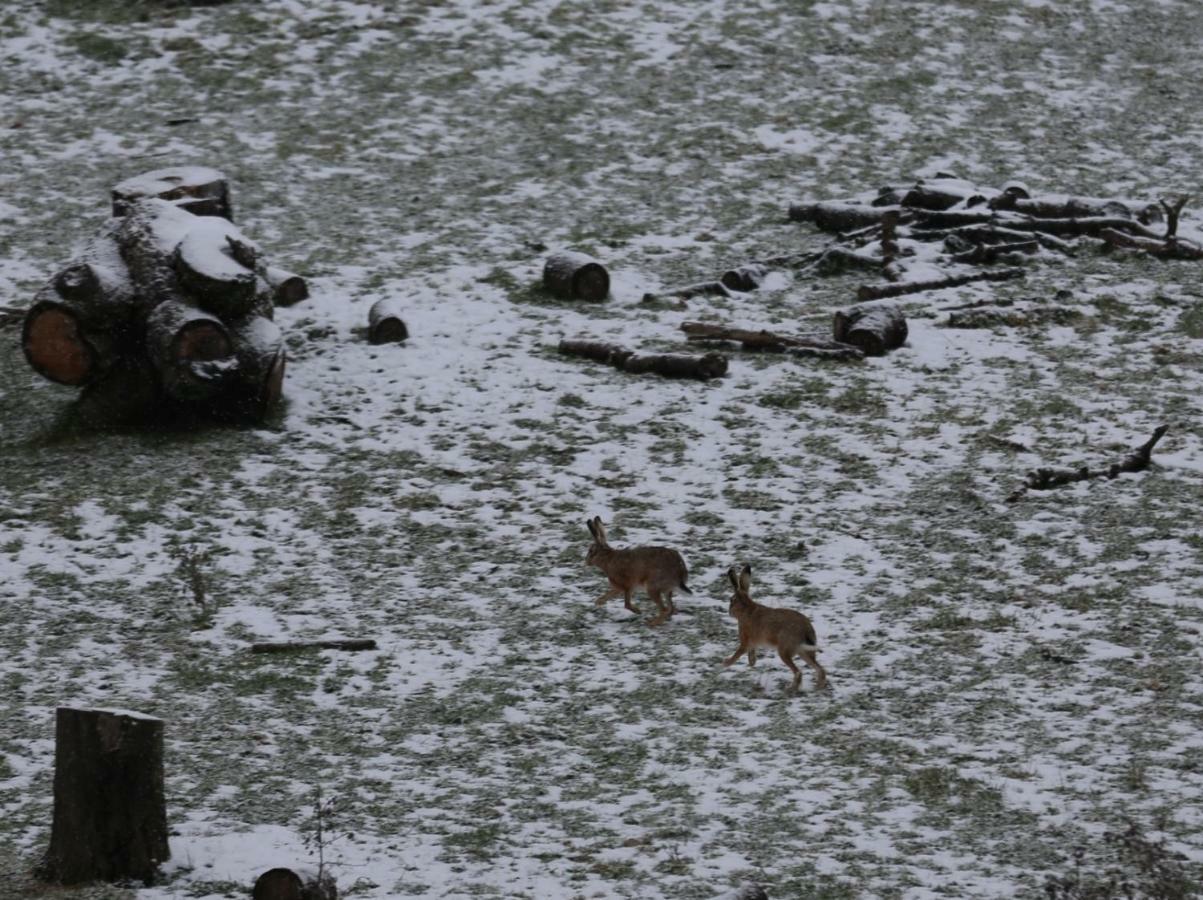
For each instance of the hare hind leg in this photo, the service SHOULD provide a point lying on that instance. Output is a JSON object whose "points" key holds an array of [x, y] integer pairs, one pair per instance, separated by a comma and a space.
{"points": [[786, 657], [751, 656], [626, 601], [608, 595], [665, 611], [808, 656]]}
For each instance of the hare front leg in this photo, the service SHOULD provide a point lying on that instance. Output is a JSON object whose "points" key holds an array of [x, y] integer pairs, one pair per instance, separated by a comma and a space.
{"points": [[739, 651], [751, 656]]}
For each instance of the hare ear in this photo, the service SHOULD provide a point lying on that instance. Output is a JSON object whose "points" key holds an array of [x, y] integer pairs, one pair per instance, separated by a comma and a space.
{"points": [[745, 578], [592, 529], [733, 574], [599, 531]]}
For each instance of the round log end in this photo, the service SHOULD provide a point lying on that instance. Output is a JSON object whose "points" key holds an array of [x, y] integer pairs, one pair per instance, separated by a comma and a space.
{"points": [[389, 330], [294, 884], [56, 347], [713, 365], [202, 341], [591, 282]]}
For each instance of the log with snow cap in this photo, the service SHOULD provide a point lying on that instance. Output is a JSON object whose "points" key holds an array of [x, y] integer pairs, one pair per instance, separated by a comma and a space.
{"points": [[162, 293]]}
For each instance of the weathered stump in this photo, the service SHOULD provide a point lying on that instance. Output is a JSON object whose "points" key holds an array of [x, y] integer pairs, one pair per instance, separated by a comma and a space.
{"points": [[876, 330], [575, 276], [110, 819], [297, 883], [287, 288], [385, 325]]}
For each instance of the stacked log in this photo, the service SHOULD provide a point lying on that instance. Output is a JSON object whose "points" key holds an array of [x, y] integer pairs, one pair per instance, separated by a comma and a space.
{"points": [[165, 306]]}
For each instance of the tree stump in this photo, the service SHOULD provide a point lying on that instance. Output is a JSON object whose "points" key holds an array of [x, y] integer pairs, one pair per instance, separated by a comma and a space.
{"points": [[110, 819], [297, 883], [874, 329], [287, 289], [385, 325], [575, 276]]}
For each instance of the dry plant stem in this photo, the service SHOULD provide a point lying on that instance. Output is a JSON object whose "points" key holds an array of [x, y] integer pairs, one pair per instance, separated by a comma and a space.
{"points": [[1172, 212], [337, 644], [1043, 479]]}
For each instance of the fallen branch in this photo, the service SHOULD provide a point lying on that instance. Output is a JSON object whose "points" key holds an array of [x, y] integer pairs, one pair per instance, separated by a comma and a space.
{"points": [[702, 288], [871, 292], [703, 368], [1044, 479], [875, 330], [1169, 248], [988, 253], [771, 342], [290, 646]]}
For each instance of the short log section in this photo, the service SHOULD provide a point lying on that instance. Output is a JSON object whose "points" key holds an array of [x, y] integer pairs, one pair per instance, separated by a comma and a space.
{"points": [[296, 883], [385, 325], [110, 819], [875, 330], [576, 276]]}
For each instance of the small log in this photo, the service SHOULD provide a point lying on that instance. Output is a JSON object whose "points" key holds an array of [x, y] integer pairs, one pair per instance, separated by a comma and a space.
{"points": [[874, 329], [191, 350], [1044, 479], [703, 368], [702, 288], [832, 216], [576, 276], [870, 292], [110, 818], [385, 325], [744, 278], [197, 189], [148, 236], [296, 883], [768, 340], [839, 259], [215, 265], [710, 365], [1169, 248], [60, 346], [994, 234], [988, 253], [291, 646], [258, 383], [287, 289]]}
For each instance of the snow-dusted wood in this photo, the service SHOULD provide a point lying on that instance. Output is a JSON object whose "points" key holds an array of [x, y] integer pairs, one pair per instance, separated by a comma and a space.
{"points": [[287, 287], [875, 329], [197, 189], [385, 325], [330, 644], [215, 264], [295, 883], [110, 818], [576, 276], [880, 292], [191, 350], [703, 368], [770, 342], [744, 278], [258, 380], [1138, 460]]}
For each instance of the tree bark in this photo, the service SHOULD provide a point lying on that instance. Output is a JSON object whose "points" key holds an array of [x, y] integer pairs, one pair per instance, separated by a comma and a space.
{"points": [[191, 349], [258, 382], [832, 216], [576, 276], [871, 292], [768, 341], [287, 289], [385, 325], [875, 330], [124, 395], [199, 190], [296, 883], [110, 819], [335, 644], [710, 365]]}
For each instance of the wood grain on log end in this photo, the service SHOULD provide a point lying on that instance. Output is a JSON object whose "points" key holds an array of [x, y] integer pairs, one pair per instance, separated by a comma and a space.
{"points": [[575, 276], [55, 344]]}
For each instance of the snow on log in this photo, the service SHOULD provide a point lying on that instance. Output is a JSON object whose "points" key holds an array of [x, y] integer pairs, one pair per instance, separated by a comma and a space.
{"points": [[148, 236], [576, 276], [874, 329], [197, 189], [744, 278], [703, 368], [215, 264], [287, 288], [258, 382], [191, 349], [296, 883], [771, 342], [879, 292], [834, 216], [385, 325], [110, 819]]}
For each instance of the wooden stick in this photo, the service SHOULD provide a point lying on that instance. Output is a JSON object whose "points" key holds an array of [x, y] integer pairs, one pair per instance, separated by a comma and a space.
{"points": [[703, 368], [870, 292], [1170, 248], [1043, 479], [767, 340], [988, 253], [333, 644]]}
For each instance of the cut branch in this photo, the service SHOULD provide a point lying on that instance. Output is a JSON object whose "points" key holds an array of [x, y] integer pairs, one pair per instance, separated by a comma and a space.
{"points": [[1044, 479], [334, 644], [703, 368], [769, 341], [879, 292]]}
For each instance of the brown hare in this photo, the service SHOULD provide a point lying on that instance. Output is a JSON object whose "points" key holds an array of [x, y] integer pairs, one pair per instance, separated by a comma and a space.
{"points": [[658, 570], [766, 626]]}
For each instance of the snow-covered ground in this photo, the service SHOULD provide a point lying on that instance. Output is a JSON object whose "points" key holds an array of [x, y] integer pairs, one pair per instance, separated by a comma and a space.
{"points": [[1010, 681]]}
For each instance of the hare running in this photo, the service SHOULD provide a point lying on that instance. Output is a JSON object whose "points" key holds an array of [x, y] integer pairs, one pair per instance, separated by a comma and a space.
{"points": [[766, 626], [658, 570]]}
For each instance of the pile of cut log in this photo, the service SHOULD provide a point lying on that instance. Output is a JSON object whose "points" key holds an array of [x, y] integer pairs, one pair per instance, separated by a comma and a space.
{"points": [[170, 303]]}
